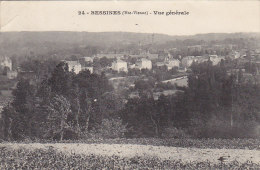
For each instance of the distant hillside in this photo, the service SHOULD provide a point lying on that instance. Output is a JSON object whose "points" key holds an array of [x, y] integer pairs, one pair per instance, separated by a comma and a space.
{"points": [[21, 43], [222, 36]]}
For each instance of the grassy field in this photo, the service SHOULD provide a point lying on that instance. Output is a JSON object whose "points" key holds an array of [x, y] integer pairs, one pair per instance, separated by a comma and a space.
{"points": [[122, 156]]}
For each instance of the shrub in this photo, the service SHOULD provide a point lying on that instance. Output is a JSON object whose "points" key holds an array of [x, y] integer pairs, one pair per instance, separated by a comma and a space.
{"points": [[109, 128]]}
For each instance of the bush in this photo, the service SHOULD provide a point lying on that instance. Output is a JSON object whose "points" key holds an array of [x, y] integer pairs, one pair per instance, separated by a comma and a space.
{"points": [[109, 129]]}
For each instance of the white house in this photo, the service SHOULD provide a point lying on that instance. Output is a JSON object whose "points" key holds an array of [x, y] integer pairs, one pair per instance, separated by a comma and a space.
{"points": [[6, 62], [12, 74], [119, 65], [74, 66], [144, 64], [171, 63]]}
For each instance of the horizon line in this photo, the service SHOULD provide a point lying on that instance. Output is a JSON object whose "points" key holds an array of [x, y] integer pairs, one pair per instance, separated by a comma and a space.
{"points": [[246, 32]]}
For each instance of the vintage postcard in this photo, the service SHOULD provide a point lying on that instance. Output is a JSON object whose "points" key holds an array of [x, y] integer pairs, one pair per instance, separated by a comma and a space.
{"points": [[130, 84]]}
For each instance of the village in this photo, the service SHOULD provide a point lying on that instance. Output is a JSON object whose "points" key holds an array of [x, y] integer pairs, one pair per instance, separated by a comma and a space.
{"points": [[123, 69]]}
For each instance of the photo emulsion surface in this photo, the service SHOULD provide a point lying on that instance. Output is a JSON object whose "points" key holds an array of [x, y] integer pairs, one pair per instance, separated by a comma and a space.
{"points": [[130, 85]]}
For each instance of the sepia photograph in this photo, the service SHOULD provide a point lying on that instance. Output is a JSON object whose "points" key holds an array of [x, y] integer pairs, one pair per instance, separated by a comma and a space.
{"points": [[153, 85]]}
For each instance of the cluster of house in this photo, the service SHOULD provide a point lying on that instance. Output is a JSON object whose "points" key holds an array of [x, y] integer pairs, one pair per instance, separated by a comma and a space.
{"points": [[84, 64], [169, 62], [187, 61], [142, 63], [120, 65], [6, 64], [245, 54]]}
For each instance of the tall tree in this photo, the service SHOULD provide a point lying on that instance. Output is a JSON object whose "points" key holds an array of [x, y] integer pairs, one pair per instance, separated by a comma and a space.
{"points": [[61, 80], [59, 109], [24, 104]]}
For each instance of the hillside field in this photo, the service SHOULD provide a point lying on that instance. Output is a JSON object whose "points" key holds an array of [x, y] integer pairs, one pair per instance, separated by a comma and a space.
{"points": [[122, 156]]}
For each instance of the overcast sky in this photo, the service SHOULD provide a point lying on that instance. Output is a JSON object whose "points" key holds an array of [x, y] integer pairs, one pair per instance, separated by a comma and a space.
{"points": [[204, 17]]}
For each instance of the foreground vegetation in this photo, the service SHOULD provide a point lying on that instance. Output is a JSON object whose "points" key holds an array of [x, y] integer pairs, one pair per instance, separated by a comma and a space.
{"points": [[50, 158]]}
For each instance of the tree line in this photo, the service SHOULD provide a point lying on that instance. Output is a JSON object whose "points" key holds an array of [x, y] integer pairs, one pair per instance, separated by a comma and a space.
{"points": [[215, 104]]}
